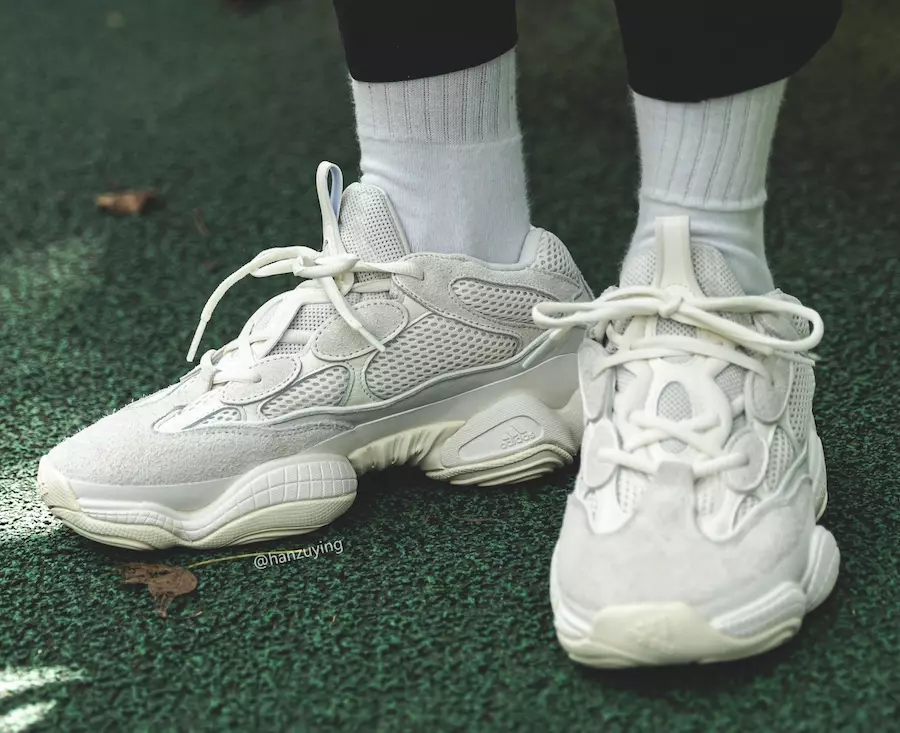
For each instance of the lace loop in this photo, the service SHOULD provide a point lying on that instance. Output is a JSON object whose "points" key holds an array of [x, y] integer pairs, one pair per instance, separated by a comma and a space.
{"points": [[625, 303], [328, 278], [704, 314]]}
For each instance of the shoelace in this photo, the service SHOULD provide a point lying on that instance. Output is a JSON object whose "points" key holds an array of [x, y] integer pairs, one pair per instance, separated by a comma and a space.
{"points": [[329, 277], [702, 313]]}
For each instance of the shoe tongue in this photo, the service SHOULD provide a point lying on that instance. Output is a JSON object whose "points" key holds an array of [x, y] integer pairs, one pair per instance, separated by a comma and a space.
{"points": [[368, 226], [677, 264], [681, 267]]}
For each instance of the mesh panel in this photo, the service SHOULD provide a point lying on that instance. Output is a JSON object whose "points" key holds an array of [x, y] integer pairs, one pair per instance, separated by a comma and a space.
{"points": [[674, 404], [312, 316], [668, 327], [630, 486], [226, 415], [497, 301], [731, 381], [591, 501], [367, 230], [800, 402], [320, 389], [715, 278], [639, 269], [286, 348], [309, 318], [367, 227], [747, 503], [781, 455], [552, 256], [434, 345], [801, 326]]}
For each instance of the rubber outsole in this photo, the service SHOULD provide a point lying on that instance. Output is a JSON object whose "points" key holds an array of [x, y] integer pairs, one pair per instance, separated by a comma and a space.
{"points": [[674, 633]]}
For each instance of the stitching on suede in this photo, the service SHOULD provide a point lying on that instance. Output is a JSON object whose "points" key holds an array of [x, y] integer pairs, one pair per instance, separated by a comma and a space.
{"points": [[471, 309], [404, 317], [289, 431], [478, 321], [296, 371]]}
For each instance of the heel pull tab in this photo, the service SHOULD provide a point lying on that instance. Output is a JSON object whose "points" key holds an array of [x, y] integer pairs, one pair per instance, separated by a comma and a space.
{"points": [[674, 265]]}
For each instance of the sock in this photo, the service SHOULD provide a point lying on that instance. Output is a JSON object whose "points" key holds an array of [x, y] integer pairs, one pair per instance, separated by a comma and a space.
{"points": [[447, 150], [708, 160]]}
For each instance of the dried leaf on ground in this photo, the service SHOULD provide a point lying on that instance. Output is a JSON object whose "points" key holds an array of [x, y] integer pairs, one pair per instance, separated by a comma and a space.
{"points": [[132, 201], [164, 582]]}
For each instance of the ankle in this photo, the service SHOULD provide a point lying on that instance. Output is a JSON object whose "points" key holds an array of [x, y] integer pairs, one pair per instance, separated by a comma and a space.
{"points": [[738, 235]]}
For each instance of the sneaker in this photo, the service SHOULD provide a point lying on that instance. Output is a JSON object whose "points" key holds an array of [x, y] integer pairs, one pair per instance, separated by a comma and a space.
{"points": [[378, 357], [691, 533]]}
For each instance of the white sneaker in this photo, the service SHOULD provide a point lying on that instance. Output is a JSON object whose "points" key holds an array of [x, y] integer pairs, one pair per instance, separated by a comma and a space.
{"points": [[691, 534], [380, 357]]}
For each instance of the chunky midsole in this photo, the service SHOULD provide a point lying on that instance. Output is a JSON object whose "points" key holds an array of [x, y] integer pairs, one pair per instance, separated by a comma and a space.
{"points": [[537, 407]]}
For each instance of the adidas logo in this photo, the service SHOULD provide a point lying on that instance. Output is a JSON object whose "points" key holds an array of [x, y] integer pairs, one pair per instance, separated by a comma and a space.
{"points": [[514, 437]]}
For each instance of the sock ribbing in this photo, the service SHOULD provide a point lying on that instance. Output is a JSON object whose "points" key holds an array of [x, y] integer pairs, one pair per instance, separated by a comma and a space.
{"points": [[471, 106], [708, 160], [710, 154], [447, 150]]}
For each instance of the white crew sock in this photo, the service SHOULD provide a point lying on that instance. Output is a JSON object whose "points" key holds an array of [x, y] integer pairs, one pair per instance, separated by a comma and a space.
{"points": [[447, 150], [708, 160]]}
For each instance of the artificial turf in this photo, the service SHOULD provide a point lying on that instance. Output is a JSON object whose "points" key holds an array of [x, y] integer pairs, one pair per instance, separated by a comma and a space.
{"points": [[435, 616]]}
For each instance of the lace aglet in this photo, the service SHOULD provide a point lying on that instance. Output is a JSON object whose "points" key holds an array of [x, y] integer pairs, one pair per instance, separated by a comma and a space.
{"points": [[195, 342], [370, 338]]}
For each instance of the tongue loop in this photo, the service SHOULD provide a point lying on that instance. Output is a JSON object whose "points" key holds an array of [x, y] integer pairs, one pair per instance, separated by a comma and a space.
{"points": [[674, 262], [329, 185], [680, 264], [361, 246], [684, 270]]}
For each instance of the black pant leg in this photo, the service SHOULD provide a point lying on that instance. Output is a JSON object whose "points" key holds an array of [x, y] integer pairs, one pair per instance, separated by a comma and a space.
{"points": [[690, 50], [392, 40]]}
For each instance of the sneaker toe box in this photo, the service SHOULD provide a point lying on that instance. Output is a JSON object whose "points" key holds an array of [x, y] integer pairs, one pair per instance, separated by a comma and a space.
{"points": [[655, 559], [126, 448]]}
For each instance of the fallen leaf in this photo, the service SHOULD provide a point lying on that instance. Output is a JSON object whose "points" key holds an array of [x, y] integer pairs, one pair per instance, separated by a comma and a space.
{"points": [[133, 201], [164, 582]]}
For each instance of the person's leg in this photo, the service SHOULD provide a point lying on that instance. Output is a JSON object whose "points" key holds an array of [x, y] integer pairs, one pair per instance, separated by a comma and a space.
{"points": [[437, 122], [707, 80], [691, 534], [708, 160]]}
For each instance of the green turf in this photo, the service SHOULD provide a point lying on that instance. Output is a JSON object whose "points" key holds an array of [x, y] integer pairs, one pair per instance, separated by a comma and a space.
{"points": [[436, 614]]}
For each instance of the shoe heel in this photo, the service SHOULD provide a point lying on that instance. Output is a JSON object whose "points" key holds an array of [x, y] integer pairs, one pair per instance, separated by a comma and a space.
{"points": [[516, 439]]}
